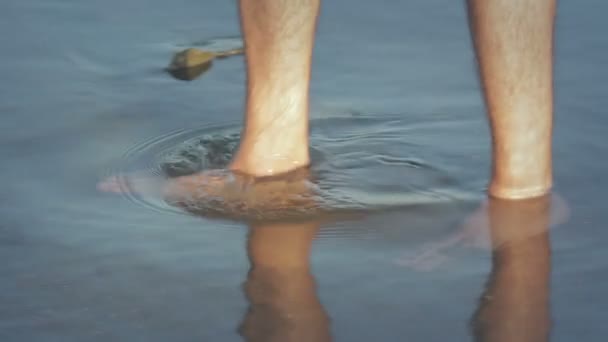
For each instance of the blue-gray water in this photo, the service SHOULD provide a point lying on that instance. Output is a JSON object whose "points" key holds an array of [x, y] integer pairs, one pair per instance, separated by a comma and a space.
{"points": [[82, 83]]}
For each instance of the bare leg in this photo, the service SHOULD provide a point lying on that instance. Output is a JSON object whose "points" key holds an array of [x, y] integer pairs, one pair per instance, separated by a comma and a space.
{"points": [[514, 45], [279, 37]]}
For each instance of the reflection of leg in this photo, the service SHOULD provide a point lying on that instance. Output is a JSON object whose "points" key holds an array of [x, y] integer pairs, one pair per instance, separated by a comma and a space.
{"points": [[514, 43], [515, 305], [281, 246], [283, 304], [279, 37]]}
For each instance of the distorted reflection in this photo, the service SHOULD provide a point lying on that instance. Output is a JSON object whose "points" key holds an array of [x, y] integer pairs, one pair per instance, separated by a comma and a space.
{"points": [[280, 288], [515, 303]]}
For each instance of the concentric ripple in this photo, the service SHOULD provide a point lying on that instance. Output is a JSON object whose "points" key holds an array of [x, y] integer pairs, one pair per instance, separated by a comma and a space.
{"points": [[359, 165]]}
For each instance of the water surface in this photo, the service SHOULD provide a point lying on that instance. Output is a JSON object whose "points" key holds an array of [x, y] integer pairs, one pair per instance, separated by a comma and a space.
{"points": [[394, 86]]}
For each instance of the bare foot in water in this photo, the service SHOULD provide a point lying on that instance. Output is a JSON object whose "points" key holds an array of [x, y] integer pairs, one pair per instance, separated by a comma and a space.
{"points": [[224, 193], [482, 229]]}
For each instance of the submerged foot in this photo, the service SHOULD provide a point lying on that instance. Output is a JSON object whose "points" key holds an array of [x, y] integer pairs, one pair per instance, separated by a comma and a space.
{"points": [[268, 173], [494, 224], [224, 193]]}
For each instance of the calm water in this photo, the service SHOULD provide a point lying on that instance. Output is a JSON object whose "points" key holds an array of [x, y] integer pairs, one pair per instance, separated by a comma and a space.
{"points": [[397, 124]]}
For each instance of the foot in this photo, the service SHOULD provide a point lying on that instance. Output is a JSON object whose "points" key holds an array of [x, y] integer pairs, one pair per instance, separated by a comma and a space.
{"points": [[268, 172], [223, 192], [494, 224]]}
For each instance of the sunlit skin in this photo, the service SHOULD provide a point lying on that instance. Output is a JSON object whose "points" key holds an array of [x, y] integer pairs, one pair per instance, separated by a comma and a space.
{"points": [[279, 37], [280, 288], [513, 40], [514, 45]]}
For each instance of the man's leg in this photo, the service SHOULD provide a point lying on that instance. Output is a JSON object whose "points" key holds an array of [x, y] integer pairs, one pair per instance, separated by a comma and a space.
{"points": [[514, 45], [279, 37]]}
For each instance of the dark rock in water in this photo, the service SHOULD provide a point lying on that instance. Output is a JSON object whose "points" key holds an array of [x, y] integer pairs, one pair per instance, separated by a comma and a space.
{"points": [[191, 58], [189, 74], [189, 64]]}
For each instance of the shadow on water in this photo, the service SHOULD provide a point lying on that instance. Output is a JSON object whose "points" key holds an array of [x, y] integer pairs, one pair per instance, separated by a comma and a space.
{"points": [[283, 304]]}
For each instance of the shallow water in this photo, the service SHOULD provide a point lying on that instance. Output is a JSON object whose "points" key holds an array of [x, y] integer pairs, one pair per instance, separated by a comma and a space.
{"points": [[83, 94], [343, 180]]}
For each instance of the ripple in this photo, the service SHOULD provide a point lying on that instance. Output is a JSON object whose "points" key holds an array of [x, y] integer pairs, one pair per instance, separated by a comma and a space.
{"points": [[360, 165]]}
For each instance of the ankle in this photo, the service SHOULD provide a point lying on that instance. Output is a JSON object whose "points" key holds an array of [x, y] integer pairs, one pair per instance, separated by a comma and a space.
{"points": [[521, 171], [262, 166], [271, 153], [275, 136], [515, 191]]}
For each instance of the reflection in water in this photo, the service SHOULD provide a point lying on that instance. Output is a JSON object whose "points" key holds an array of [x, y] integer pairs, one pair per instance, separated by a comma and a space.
{"points": [[283, 304], [515, 304], [280, 289]]}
